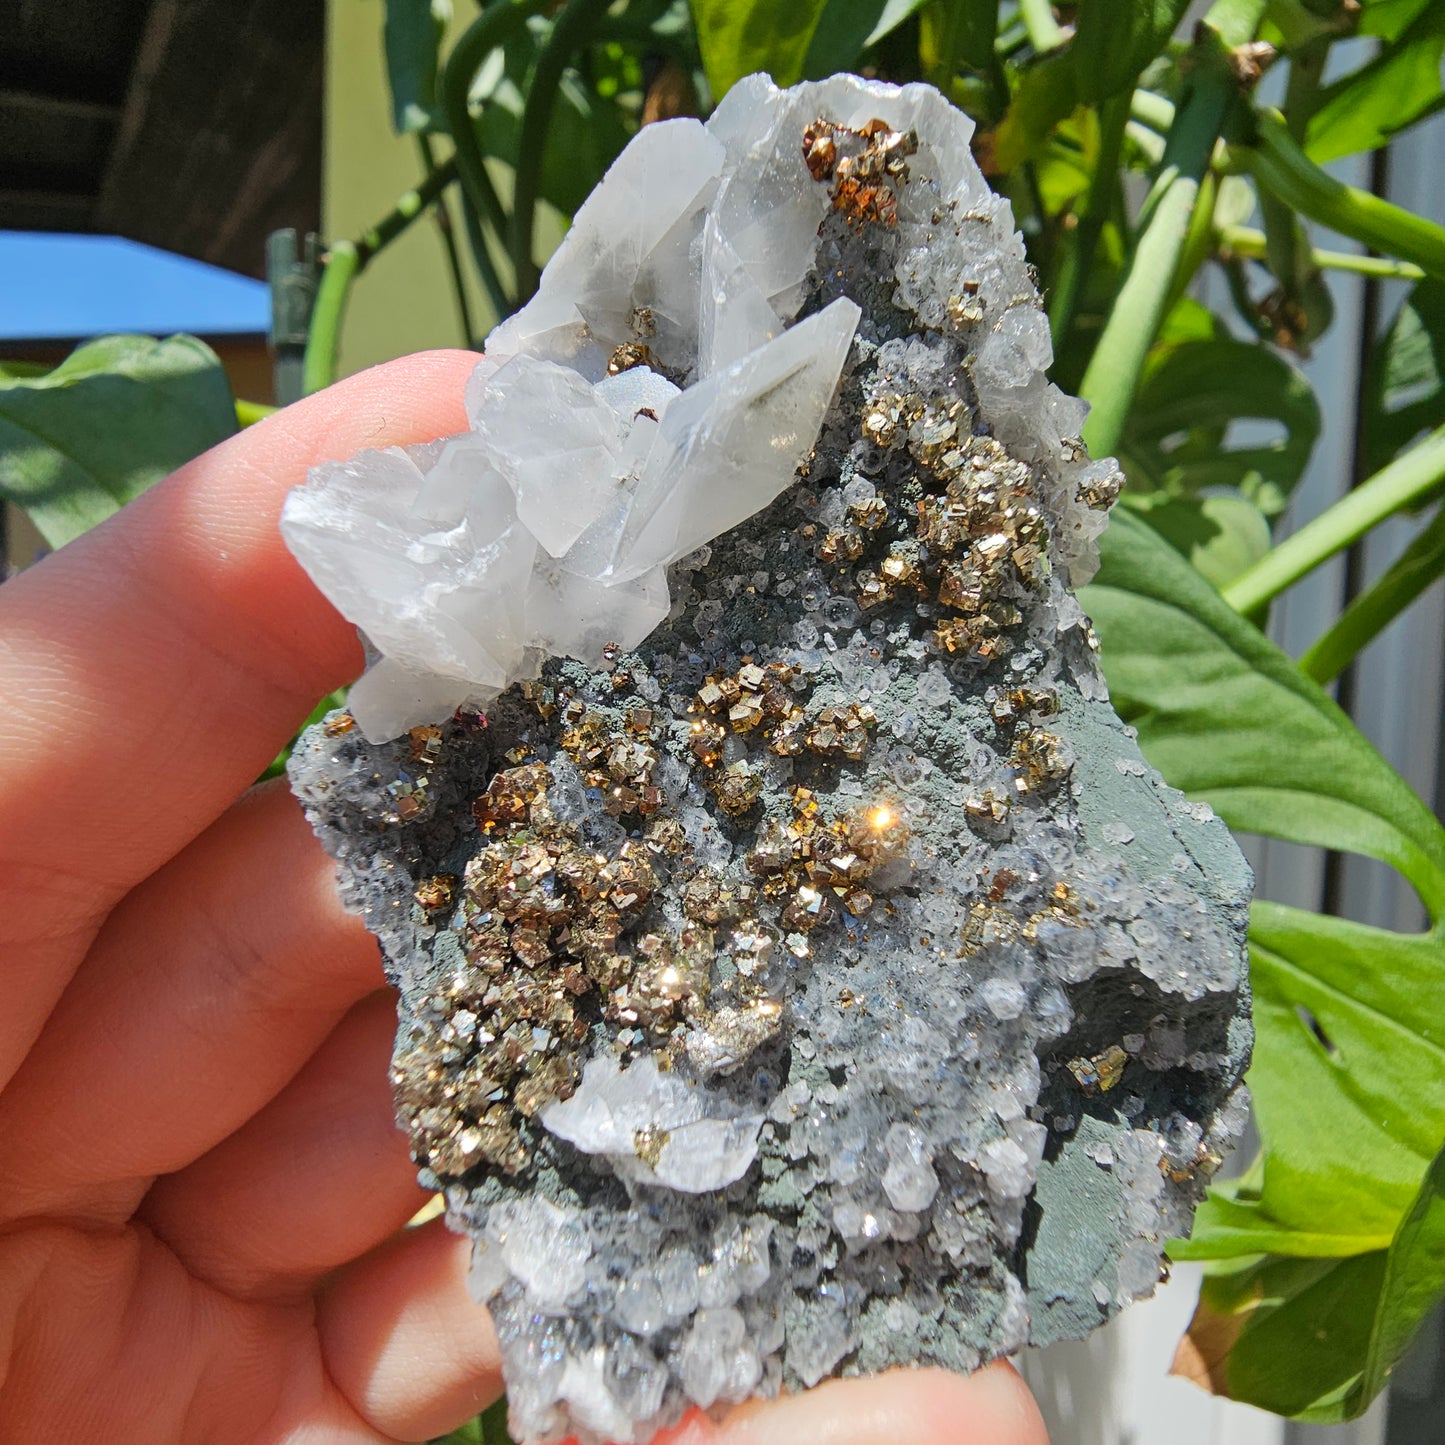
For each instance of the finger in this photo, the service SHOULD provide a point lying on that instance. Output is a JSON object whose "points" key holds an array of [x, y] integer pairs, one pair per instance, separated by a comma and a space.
{"points": [[901, 1407], [405, 1343], [317, 1178], [211, 985], [151, 668], [109, 1339]]}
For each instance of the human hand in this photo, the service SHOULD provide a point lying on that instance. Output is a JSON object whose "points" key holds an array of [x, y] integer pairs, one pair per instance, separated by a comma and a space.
{"points": [[203, 1194]]}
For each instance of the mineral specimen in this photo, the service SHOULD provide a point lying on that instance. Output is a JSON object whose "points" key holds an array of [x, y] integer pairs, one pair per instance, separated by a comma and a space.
{"points": [[801, 972]]}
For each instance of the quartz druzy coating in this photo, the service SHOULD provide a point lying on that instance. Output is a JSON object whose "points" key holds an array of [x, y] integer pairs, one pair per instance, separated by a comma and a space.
{"points": [[801, 971]]}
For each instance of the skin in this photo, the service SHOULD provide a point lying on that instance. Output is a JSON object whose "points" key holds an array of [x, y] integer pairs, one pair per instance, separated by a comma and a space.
{"points": [[203, 1195]]}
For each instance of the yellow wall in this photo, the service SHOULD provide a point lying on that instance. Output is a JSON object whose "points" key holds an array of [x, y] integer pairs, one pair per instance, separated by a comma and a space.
{"points": [[404, 301]]}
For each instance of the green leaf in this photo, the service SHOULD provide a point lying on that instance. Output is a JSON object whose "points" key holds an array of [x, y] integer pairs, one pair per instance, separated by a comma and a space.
{"points": [[412, 35], [846, 28], [1349, 1126], [493, 1424], [892, 15], [1230, 1228], [1197, 420], [1115, 39], [587, 130], [1400, 86], [1414, 1278], [1226, 716], [1318, 1338], [738, 37], [1046, 95], [1258, 1311], [1349, 1067], [1405, 378], [1220, 535], [1389, 19], [115, 416], [12, 370], [839, 36]]}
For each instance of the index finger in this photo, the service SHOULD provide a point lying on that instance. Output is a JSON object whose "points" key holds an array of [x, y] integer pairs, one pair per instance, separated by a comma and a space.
{"points": [[152, 668]]}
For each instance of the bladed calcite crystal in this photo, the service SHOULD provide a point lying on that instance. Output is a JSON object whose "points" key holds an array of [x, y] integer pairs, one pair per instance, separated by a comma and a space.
{"points": [[801, 971]]}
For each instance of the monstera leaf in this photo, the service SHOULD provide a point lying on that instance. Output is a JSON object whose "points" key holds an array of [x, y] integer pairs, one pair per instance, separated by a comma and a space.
{"points": [[115, 416], [1405, 375], [412, 36], [587, 129], [1216, 413], [738, 37], [1326, 1257]]}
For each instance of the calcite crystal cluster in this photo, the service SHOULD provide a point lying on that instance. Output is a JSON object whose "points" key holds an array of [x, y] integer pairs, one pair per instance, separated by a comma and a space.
{"points": [[801, 971]]}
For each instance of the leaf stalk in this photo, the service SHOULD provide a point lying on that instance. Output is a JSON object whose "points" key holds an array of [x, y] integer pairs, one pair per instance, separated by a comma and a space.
{"points": [[497, 22], [1114, 370], [569, 34], [1249, 243], [447, 231], [1420, 565], [1279, 165], [1410, 478], [318, 365], [1098, 201]]}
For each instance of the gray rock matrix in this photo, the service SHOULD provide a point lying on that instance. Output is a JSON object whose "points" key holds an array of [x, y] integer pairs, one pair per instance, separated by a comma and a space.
{"points": [[825, 984]]}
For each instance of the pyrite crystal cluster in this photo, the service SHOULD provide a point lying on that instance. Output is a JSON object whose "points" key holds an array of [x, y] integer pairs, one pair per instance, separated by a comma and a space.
{"points": [[801, 972]]}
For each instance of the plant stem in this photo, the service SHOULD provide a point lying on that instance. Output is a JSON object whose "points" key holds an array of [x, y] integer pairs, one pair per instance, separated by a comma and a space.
{"points": [[345, 261], [1244, 303], [1247, 242], [1286, 244], [1198, 240], [568, 33], [1114, 369], [1044, 31], [406, 210], [318, 367], [495, 24], [947, 66], [1098, 201], [1011, 39], [1419, 565], [443, 215], [482, 259], [248, 413], [1299, 26], [1409, 478], [1302, 91], [1278, 164]]}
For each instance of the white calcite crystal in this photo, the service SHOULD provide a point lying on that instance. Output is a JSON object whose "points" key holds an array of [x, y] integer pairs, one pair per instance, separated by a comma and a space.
{"points": [[656, 1128], [647, 399], [801, 972]]}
